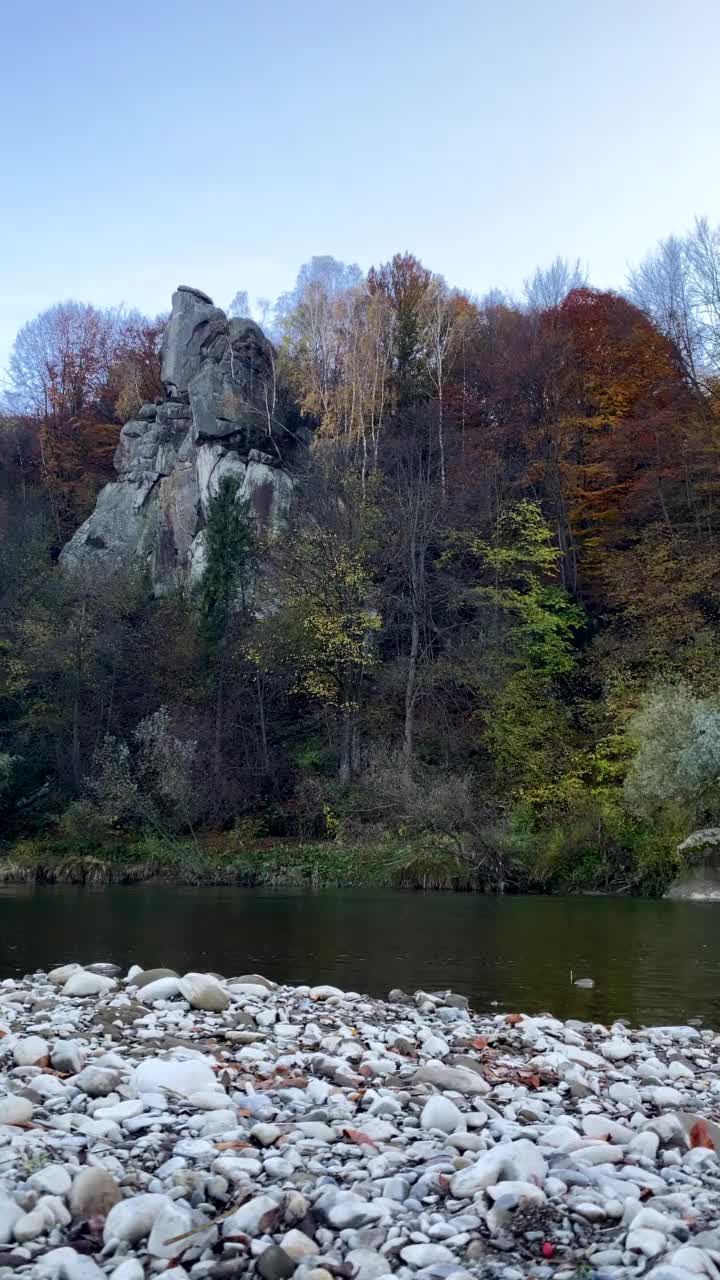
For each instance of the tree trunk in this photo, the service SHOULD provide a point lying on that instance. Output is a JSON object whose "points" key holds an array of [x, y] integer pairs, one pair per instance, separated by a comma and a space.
{"points": [[410, 690], [263, 726], [219, 715], [77, 775], [346, 747], [441, 441]]}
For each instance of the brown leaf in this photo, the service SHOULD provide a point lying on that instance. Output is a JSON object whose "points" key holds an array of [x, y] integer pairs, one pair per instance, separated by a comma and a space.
{"points": [[512, 1019], [362, 1139], [479, 1042], [700, 1137], [269, 1220], [236, 1145]]}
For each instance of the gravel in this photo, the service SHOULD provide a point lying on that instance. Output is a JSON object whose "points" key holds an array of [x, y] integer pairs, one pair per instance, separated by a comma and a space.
{"points": [[198, 1127]]}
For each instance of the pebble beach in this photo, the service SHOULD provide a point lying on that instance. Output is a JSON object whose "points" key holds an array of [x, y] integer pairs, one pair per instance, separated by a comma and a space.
{"points": [[196, 1126]]}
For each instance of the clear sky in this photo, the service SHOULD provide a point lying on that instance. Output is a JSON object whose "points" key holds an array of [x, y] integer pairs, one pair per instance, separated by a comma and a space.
{"points": [[221, 143]]}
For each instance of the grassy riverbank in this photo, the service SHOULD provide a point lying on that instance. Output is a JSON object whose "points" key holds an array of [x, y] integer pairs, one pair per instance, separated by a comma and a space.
{"points": [[215, 861], [390, 862]]}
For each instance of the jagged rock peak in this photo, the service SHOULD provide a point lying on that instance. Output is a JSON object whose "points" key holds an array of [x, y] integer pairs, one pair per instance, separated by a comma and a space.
{"points": [[224, 414]]}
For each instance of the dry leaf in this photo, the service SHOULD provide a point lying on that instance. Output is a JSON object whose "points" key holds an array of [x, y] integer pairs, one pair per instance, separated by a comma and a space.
{"points": [[269, 1220], [700, 1137], [362, 1139]]}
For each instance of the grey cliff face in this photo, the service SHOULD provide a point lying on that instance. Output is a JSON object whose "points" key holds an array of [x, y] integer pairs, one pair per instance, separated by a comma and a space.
{"points": [[223, 415]]}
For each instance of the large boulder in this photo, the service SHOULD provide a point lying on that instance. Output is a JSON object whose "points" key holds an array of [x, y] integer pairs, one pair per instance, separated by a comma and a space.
{"points": [[225, 415]]}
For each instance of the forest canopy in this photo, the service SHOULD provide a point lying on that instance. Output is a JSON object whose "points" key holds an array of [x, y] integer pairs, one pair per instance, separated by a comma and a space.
{"points": [[485, 637]]}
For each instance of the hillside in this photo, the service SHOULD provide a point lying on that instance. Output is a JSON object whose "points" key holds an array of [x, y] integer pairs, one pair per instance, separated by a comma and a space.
{"points": [[426, 584]]}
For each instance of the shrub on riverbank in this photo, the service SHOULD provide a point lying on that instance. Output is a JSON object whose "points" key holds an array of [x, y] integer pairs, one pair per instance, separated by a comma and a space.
{"points": [[527, 857]]}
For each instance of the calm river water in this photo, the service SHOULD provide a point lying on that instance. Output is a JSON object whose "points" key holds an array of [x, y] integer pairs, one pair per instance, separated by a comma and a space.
{"points": [[652, 961]]}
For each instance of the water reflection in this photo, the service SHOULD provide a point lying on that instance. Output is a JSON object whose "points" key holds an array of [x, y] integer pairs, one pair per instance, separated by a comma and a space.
{"points": [[651, 961]]}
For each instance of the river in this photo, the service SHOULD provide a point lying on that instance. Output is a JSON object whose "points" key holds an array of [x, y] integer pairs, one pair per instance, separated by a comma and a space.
{"points": [[652, 961]]}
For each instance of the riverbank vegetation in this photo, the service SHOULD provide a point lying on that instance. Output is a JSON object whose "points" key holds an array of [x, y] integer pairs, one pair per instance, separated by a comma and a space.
{"points": [[481, 652]]}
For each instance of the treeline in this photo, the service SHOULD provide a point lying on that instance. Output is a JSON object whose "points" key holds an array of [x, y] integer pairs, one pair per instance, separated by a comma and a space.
{"points": [[486, 638]]}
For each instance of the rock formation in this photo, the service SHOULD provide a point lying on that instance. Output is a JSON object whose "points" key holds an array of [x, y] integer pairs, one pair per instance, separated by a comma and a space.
{"points": [[223, 415]]}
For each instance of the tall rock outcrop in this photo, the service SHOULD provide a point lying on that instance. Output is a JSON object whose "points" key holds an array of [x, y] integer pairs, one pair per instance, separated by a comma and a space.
{"points": [[223, 415]]}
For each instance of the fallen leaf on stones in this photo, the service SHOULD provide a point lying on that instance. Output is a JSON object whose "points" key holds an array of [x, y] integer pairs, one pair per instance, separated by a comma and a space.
{"points": [[699, 1136], [700, 1130], [269, 1220], [362, 1139]]}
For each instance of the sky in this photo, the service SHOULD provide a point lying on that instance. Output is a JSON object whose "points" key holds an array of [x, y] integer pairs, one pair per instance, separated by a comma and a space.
{"points": [[154, 142]]}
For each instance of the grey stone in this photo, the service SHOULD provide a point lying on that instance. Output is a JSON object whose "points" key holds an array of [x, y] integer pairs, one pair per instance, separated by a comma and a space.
{"points": [[97, 1082], [152, 975], [94, 1192], [202, 991], [67, 1056], [275, 1264]]}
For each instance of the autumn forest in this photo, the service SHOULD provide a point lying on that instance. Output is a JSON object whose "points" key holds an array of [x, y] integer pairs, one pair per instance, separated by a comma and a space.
{"points": [[481, 651]]}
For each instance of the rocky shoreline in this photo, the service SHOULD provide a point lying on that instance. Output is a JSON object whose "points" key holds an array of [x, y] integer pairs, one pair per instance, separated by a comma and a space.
{"points": [[199, 1127]]}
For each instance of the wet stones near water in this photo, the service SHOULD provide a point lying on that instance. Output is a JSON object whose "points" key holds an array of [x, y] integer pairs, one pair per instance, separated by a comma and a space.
{"points": [[198, 1127]]}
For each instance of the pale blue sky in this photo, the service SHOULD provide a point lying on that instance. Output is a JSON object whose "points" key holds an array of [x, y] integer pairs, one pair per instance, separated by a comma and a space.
{"points": [[222, 143]]}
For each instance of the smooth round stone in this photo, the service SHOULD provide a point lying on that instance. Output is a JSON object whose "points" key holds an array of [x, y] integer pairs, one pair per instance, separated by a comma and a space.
{"points": [[367, 1264], [145, 977], [59, 976], [31, 1051], [33, 1224], [54, 1180], [440, 1113], [592, 1212], [160, 989], [67, 1264], [97, 1082], [617, 1050], [105, 968], [265, 1134], [130, 1269], [426, 1255], [94, 1192], [68, 1057], [9, 1214], [249, 1218], [274, 1264], [173, 1221], [626, 1094], [183, 1077], [645, 1240], [202, 991], [298, 1245], [131, 1220], [84, 984], [255, 980], [15, 1110]]}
